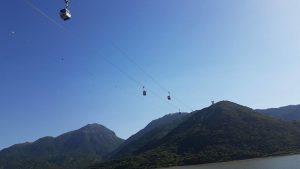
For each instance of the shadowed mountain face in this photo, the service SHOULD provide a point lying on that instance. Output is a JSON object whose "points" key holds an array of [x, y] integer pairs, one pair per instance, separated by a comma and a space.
{"points": [[224, 131], [74, 149], [154, 131], [287, 113]]}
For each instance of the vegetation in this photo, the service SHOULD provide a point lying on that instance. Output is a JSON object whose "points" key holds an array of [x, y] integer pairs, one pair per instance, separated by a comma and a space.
{"points": [[290, 113], [222, 132], [76, 149], [154, 131], [225, 131]]}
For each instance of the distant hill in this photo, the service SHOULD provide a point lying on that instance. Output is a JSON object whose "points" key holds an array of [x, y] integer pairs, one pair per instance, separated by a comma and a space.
{"points": [[75, 149], [155, 130], [290, 113], [222, 132]]}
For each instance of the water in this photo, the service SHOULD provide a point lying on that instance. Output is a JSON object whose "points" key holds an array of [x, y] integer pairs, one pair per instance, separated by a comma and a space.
{"points": [[282, 162]]}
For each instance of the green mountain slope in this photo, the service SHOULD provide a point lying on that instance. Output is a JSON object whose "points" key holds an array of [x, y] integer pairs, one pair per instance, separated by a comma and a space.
{"points": [[290, 113], [224, 131], [75, 149], [154, 131]]}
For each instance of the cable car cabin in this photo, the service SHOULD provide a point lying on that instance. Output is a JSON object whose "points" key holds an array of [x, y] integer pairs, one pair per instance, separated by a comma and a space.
{"points": [[169, 97], [65, 14]]}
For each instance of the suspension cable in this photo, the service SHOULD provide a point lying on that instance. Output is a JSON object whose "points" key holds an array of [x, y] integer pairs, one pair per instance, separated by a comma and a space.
{"points": [[124, 54]]}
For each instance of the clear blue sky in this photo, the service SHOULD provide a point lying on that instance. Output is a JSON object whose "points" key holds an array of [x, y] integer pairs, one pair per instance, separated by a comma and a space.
{"points": [[200, 50]]}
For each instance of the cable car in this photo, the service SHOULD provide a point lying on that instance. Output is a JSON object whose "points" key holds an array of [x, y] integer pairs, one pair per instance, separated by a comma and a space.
{"points": [[144, 91], [65, 13], [169, 96]]}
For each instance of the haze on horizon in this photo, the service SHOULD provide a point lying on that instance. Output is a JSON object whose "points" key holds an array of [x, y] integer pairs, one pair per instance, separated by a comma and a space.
{"points": [[52, 81]]}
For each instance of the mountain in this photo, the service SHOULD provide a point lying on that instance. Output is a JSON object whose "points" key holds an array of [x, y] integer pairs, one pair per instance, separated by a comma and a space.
{"points": [[75, 149], [155, 130], [222, 132], [290, 113]]}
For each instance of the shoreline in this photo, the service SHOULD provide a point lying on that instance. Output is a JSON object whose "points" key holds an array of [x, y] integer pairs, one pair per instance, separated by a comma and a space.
{"points": [[233, 161]]}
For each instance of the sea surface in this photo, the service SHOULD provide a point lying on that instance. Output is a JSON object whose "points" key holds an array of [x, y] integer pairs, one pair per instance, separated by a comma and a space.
{"points": [[279, 162]]}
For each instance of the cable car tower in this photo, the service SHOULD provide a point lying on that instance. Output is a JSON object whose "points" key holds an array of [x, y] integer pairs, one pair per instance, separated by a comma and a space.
{"points": [[65, 13]]}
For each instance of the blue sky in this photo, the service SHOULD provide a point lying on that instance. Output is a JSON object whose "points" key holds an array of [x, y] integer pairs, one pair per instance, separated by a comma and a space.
{"points": [[200, 50]]}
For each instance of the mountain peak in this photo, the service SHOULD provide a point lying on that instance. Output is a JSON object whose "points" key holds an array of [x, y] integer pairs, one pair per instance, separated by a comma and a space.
{"points": [[96, 129], [223, 131], [93, 125], [85, 145], [225, 103], [290, 113]]}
